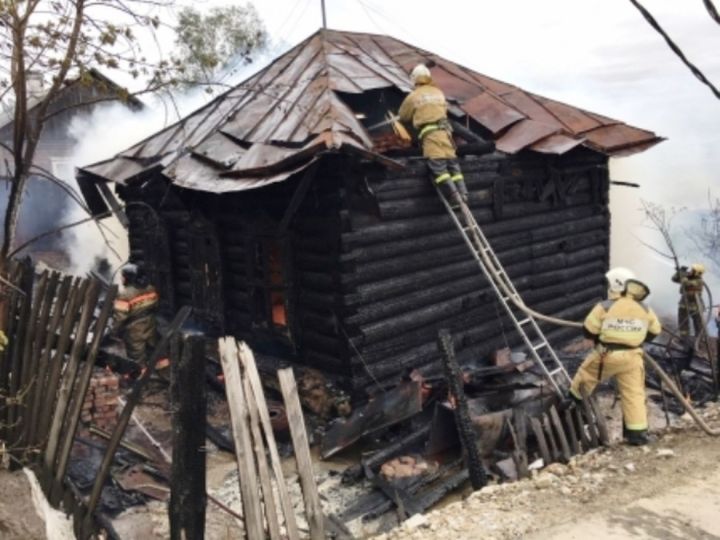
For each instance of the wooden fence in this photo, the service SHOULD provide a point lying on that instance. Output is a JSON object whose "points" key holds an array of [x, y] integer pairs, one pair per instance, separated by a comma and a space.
{"points": [[55, 331]]}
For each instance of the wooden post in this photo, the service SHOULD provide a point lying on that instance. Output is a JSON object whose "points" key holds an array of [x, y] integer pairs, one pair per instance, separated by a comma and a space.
{"points": [[247, 471], [251, 372], [313, 509], [462, 416], [189, 405]]}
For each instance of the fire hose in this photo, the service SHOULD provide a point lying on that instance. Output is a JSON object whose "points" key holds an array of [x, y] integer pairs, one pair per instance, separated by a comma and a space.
{"points": [[563, 322]]}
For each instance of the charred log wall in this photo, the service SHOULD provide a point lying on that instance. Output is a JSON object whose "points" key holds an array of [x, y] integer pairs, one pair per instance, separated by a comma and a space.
{"points": [[407, 272]]}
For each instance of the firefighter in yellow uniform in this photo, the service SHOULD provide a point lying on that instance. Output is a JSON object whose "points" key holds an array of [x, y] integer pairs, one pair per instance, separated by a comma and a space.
{"points": [[619, 328], [134, 314], [691, 306], [425, 108]]}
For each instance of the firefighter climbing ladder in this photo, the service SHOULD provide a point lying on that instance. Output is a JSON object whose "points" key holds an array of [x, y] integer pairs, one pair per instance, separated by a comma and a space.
{"points": [[524, 322]]}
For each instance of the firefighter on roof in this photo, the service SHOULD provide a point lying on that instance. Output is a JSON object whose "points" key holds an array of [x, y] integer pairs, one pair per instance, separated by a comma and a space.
{"points": [[619, 326], [426, 109], [134, 314], [690, 307]]}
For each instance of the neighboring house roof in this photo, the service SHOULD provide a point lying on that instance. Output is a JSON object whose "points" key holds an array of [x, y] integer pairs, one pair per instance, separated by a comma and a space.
{"points": [[96, 79], [279, 120]]}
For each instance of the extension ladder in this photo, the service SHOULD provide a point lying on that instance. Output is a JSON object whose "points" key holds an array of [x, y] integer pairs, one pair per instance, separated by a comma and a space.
{"points": [[525, 324]]}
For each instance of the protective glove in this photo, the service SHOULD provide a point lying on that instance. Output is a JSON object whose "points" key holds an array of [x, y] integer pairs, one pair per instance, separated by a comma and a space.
{"points": [[3, 341]]}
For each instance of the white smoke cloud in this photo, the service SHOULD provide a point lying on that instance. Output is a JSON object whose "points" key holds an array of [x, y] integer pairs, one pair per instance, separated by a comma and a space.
{"points": [[108, 130]]}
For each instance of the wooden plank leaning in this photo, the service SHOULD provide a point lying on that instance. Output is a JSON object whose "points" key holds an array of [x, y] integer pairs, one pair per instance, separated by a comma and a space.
{"points": [[69, 317], [35, 355], [10, 308], [251, 372], [44, 361], [73, 415], [241, 435], [69, 374], [28, 375], [16, 349], [84, 529], [313, 509], [268, 498]]}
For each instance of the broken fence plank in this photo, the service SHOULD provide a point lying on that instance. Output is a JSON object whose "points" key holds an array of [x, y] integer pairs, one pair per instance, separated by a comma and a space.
{"points": [[248, 360], [268, 498], [239, 419], [63, 413], [80, 389], [313, 509]]}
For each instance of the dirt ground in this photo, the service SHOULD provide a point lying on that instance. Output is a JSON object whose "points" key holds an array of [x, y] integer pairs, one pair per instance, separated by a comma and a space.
{"points": [[669, 489], [18, 519]]}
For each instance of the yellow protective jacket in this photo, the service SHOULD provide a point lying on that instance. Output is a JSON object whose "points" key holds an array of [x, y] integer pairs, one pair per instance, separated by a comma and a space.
{"points": [[426, 106], [624, 322]]}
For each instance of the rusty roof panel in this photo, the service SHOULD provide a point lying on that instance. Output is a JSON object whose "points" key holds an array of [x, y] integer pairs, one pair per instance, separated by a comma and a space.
{"points": [[556, 144], [220, 149], [290, 110], [523, 134], [491, 112], [493, 85], [618, 136], [526, 104], [577, 120], [455, 87]]}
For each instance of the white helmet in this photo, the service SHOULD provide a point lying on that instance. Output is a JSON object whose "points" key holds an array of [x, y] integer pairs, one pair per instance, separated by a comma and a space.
{"points": [[616, 278], [420, 72]]}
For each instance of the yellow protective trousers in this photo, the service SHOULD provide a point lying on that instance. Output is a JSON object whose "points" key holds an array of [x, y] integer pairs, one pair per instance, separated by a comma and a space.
{"points": [[628, 367]]}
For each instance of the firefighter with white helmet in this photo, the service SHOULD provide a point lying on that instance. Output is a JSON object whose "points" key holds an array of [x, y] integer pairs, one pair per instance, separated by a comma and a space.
{"points": [[425, 108], [690, 307], [619, 326], [616, 278]]}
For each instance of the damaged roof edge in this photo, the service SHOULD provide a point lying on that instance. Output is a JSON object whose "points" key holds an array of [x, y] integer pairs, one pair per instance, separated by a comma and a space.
{"points": [[275, 119]]}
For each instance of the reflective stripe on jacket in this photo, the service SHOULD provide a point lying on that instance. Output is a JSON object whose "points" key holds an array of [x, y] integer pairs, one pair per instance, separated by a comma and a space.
{"points": [[623, 321], [132, 303]]}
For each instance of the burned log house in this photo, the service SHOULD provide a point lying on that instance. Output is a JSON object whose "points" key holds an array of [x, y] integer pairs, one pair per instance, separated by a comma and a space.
{"points": [[288, 214]]}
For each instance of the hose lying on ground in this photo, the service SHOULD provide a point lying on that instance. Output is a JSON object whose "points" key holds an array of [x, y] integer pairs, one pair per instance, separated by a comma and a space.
{"points": [[562, 322]]}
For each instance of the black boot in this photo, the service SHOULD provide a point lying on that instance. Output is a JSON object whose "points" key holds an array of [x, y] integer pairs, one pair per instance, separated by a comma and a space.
{"points": [[450, 192], [462, 189], [636, 437]]}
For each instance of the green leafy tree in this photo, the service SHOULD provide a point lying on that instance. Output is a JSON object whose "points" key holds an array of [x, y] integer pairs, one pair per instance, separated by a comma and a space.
{"points": [[218, 41]]}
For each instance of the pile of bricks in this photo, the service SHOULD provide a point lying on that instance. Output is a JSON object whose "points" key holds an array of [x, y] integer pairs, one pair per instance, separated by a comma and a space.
{"points": [[100, 407]]}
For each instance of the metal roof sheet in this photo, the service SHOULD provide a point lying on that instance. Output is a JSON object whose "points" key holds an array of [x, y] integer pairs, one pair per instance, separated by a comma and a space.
{"points": [[265, 128]]}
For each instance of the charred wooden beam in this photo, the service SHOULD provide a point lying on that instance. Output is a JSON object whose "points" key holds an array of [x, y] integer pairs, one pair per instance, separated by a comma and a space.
{"points": [[453, 376], [187, 494]]}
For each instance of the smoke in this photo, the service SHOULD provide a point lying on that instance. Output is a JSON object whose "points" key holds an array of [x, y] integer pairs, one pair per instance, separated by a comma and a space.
{"points": [[108, 130]]}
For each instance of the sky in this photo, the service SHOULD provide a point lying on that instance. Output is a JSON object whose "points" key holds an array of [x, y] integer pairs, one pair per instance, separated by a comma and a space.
{"points": [[600, 55]]}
